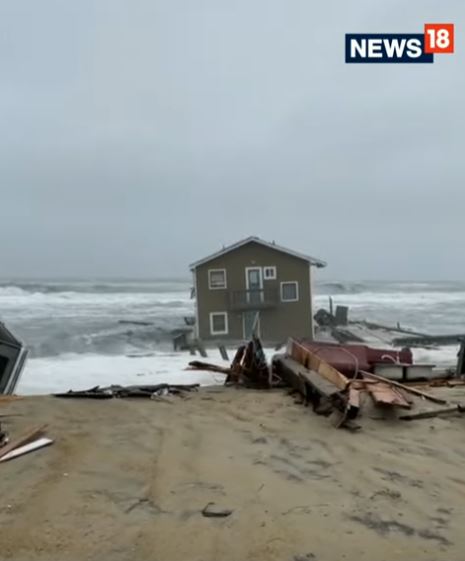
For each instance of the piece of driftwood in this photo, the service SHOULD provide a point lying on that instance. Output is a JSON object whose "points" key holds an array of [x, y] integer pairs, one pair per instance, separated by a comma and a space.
{"points": [[431, 414], [211, 510], [25, 438], [26, 448], [409, 389]]}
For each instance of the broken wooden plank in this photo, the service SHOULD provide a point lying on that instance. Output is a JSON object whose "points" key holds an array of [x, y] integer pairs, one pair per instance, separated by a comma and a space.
{"points": [[25, 438], [311, 361], [384, 394], [26, 448], [408, 389], [458, 408], [199, 365], [297, 376]]}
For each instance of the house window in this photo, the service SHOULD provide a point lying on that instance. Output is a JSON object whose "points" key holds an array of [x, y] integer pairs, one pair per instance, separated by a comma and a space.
{"points": [[219, 323], [269, 273], [289, 291], [216, 279]]}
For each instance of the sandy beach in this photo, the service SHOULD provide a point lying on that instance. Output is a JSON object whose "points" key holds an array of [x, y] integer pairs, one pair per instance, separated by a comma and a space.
{"points": [[128, 479]]}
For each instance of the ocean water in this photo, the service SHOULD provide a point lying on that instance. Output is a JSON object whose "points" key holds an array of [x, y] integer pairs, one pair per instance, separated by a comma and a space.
{"points": [[75, 339]]}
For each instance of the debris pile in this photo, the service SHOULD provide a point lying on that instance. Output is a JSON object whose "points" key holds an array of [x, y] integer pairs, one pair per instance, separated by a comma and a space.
{"points": [[339, 379], [327, 389], [145, 391], [248, 367]]}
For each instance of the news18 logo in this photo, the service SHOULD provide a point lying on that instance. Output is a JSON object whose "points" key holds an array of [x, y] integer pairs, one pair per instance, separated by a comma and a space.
{"points": [[438, 38]]}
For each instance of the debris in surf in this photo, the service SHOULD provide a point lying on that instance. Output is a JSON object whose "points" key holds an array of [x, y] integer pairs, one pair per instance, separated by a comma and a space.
{"points": [[143, 391]]}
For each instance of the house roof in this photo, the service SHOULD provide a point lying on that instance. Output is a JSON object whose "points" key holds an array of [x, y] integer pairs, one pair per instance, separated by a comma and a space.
{"points": [[310, 260]]}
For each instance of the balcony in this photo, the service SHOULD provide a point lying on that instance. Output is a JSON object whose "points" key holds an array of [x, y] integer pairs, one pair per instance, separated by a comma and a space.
{"points": [[243, 300]]}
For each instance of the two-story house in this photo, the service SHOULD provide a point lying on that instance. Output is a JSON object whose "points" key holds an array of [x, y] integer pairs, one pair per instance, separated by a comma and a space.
{"points": [[254, 284]]}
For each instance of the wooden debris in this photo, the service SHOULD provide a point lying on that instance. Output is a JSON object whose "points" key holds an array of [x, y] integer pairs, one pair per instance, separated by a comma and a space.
{"points": [[144, 391], [458, 408], [26, 448], [25, 438], [199, 365], [406, 388], [385, 394], [308, 383], [324, 395], [249, 366], [311, 361], [211, 510]]}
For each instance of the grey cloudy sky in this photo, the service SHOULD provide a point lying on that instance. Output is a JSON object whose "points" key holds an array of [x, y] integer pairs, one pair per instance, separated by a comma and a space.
{"points": [[140, 135]]}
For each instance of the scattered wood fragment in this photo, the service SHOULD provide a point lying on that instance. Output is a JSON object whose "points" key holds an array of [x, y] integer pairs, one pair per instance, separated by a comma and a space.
{"points": [[207, 366], [408, 389], [144, 391], [25, 438], [26, 448], [211, 510], [385, 394]]}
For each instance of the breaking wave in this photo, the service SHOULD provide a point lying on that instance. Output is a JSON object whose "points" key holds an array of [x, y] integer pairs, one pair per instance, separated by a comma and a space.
{"points": [[91, 316]]}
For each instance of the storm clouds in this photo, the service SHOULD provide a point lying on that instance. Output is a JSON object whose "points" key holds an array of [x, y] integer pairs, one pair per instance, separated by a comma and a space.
{"points": [[139, 136]]}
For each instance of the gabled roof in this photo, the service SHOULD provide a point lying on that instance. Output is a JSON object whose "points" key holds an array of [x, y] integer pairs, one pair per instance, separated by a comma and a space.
{"points": [[310, 260]]}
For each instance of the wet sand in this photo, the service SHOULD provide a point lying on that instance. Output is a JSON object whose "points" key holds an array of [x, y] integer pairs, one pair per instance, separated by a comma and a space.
{"points": [[128, 479]]}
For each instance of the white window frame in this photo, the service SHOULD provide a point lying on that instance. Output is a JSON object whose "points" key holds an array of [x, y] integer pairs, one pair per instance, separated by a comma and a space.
{"points": [[217, 287], [273, 269], [226, 326], [296, 299]]}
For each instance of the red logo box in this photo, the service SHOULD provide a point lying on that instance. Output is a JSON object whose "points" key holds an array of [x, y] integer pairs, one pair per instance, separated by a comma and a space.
{"points": [[439, 38]]}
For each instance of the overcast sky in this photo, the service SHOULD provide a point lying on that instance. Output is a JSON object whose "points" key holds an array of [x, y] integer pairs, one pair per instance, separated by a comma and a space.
{"points": [[138, 136]]}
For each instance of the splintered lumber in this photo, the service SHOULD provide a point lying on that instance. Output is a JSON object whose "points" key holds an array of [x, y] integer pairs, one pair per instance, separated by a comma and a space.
{"points": [[311, 361], [25, 438], [26, 448], [384, 394], [408, 389]]}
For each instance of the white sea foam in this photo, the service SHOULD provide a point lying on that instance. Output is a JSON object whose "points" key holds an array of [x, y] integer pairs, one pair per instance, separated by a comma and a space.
{"points": [[78, 372], [75, 337]]}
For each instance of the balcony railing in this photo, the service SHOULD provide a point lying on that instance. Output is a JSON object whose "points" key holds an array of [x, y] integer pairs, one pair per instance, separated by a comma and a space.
{"points": [[253, 299]]}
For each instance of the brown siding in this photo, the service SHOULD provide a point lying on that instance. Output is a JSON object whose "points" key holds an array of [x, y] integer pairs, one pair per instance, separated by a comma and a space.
{"points": [[286, 319]]}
